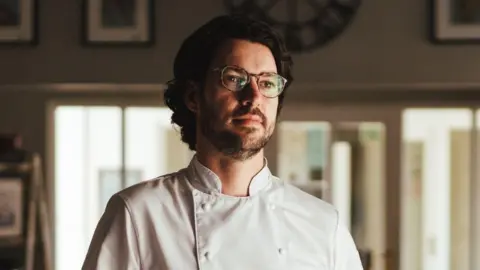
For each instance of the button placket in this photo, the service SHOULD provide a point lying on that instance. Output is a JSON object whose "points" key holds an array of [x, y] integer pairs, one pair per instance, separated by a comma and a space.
{"points": [[271, 203], [201, 213], [205, 206], [208, 203], [274, 205]]}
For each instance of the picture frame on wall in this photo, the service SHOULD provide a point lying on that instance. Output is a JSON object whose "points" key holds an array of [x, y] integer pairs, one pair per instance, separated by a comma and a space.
{"points": [[11, 207], [118, 22], [455, 21], [18, 22]]}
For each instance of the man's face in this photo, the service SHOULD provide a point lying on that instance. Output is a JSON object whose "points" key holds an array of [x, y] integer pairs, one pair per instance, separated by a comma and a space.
{"points": [[238, 124]]}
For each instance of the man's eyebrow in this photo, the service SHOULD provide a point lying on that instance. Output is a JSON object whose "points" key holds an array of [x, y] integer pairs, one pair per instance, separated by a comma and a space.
{"points": [[262, 72]]}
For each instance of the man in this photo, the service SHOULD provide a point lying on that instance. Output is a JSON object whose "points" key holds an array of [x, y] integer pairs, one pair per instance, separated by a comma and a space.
{"points": [[225, 210]]}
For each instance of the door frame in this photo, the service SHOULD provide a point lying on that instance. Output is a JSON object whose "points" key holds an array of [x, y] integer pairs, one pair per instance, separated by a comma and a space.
{"points": [[120, 100], [391, 117]]}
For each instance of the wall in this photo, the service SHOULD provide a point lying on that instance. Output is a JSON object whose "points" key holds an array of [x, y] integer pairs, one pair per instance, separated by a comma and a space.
{"points": [[386, 43]]}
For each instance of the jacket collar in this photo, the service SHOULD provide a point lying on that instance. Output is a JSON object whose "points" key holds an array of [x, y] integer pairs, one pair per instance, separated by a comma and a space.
{"points": [[207, 181]]}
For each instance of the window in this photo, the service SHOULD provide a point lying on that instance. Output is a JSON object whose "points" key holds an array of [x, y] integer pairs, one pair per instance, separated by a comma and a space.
{"points": [[436, 198], [98, 152], [342, 162]]}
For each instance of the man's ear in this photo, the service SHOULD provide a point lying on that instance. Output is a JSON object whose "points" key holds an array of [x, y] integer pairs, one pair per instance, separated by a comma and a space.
{"points": [[192, 96]]}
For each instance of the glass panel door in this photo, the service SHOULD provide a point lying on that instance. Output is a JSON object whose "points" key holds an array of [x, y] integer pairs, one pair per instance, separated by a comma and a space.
{"points": [[362, 198], [98, 152], [436, 189], [303, 154], [87, 142], [150, 140], [339, 155]]}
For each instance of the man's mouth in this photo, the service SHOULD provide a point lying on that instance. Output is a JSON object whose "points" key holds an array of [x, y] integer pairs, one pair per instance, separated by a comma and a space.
{"points": [[249, 118]]}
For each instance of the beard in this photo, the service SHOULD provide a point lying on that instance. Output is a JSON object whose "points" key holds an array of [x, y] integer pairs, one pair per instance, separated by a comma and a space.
{"points": [[229, 143]]}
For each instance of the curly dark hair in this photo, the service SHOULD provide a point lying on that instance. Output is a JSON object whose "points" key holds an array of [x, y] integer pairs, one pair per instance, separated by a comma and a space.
{"points": [[198, 50]]}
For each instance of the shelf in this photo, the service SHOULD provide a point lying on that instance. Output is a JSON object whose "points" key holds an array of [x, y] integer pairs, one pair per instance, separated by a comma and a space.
{"points": [[17, 167]]}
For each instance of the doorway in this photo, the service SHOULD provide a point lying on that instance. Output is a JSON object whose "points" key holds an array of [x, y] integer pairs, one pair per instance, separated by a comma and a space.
{"points": [[348, 156], [440, 188], [98, 151]]}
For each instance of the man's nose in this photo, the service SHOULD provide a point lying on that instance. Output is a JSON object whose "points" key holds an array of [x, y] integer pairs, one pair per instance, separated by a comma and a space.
{"points": [[251, 94]]}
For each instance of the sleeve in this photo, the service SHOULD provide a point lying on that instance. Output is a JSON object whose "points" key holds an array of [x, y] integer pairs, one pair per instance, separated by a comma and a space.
{"points": [[346, 255], [114, 244]]}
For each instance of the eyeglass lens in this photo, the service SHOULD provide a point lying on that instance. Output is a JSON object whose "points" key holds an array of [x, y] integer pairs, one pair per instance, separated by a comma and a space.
{"points": [[235, 79]]}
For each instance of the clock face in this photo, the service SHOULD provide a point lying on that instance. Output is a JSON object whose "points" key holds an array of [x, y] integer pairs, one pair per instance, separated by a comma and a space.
{"points": [[304, 24]]}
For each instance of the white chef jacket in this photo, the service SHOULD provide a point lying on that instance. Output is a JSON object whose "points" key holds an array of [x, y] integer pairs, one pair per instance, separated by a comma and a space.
{"points": [[182, 221]]}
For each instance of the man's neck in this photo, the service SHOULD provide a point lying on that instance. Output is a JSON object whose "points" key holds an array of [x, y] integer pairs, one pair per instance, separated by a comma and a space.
{"points": [[235, 175]]}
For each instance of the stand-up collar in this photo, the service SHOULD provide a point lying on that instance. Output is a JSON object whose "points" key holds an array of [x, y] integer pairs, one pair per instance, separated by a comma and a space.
{"points": [[206, 180]]}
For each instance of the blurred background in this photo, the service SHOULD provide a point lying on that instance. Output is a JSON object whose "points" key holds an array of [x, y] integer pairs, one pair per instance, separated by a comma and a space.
{"points": [[382, 119]]}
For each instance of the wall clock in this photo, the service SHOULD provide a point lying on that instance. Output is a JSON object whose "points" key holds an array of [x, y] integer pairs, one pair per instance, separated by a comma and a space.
{"points": [[305, 24]]}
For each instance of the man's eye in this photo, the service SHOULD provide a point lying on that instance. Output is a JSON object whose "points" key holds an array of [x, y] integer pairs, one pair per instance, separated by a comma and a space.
{"points": [[235, 79], [266, 84]]}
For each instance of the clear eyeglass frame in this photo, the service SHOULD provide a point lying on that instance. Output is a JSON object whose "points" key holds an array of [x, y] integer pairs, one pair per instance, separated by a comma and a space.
{"points": [[222, 70]]}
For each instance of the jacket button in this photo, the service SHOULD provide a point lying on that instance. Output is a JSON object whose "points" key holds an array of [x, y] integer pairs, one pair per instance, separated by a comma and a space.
{"points": [[206, 206], [282, 251], [206, 256]]}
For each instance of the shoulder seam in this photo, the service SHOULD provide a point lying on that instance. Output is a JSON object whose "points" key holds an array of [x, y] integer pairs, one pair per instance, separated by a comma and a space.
{"points": [[135, 228], [335, 235]]}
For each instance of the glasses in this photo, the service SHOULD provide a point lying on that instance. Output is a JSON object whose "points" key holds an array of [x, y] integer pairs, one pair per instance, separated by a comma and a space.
{"points": [[235, 79]]}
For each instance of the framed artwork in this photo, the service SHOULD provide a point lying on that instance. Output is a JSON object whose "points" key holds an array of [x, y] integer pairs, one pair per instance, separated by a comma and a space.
{"points": [[455, 21], [11, 207], [118, 22], [18, 21]]}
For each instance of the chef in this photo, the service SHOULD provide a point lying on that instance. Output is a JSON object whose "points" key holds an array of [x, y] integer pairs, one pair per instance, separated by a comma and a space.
{"points": [[225, 210]]}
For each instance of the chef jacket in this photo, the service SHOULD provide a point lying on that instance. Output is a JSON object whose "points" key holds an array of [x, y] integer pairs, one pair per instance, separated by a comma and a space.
{"points": [[182, 221]]}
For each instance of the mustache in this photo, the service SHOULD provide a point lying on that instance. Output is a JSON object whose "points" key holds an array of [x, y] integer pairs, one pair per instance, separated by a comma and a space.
{"points": [[244, 110]]}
